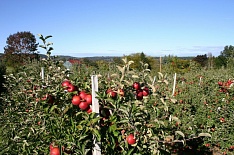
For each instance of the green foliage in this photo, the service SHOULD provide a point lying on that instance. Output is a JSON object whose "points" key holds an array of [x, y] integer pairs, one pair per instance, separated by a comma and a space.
{"points": [[174, 64], [118, 60], [89, 63], [228, 51], [140, 58], [226, 57], [2, 88], [220, 61], [46, 45], [38, 112], [2, 79]]}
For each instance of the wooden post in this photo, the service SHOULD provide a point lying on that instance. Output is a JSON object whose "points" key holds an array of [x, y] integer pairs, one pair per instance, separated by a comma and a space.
{"points": [[95, 108], [174, 85]]}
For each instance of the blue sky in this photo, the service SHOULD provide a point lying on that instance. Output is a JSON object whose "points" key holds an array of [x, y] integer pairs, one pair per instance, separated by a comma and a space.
{"points": [[121, 27]]}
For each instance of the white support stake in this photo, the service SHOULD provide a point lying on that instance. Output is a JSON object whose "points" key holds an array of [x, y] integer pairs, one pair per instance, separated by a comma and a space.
{"points": [[42, 73], [95, 108], [174, 85], [154, 80], [200, 80]]}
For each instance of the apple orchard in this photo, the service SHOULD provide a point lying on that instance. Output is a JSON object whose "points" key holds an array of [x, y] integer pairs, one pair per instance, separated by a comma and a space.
{"points": [[140, 112]]}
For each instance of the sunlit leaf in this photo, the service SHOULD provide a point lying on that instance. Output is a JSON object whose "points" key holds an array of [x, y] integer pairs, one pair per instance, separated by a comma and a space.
{"points": [[135, 76], [204, 135], [180, 133], [79, 127]]}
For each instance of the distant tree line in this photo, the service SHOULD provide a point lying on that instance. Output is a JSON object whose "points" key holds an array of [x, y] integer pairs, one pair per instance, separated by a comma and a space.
{"points": [[22, 47]]}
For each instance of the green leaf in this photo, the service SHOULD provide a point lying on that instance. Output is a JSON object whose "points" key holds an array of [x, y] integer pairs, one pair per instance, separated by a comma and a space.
{"points": [[66, 109], [113, 128], [137, 123], [121, 69], [48, 53], [114, 75], [50, 49], [79, 127], [125, 60], [138, 114], [53, 107], [180, 133], [135, 76], [42, 46], [160, 74], [173, 100], [130, 151], [179, 141], [204, 135], [173, 118], [48, 37], [116, 133], [97, 134], [130, 62], [40, 35], [165, 81], [123, 121], [49, 43]]}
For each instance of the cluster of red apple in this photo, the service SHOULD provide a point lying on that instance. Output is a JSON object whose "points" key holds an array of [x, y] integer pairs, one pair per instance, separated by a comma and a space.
{"points": [[225, 85], [82, 99], [140, 92]]}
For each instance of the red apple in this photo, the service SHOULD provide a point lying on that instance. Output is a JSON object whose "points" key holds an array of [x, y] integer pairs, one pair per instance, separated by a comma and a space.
{"points": [[71, 88], [83, 105], [76, 100], [54, 151], [131, 139], [88, 98], [146, 91], [89, 110], [111, 93], [220, 83], [136, 85], [82, 94], [139, 94], [66, 84]]}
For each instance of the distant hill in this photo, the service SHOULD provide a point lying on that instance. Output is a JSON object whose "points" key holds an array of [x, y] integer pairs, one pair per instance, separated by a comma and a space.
{"points": [[94, 58]]}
